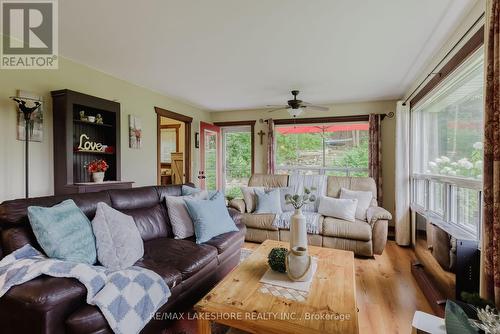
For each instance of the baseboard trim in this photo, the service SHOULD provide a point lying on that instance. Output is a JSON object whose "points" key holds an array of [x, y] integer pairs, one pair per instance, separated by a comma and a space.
{"points": [[436, 299]]}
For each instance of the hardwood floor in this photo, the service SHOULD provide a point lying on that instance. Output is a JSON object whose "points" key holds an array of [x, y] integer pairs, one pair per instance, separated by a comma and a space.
{"points": [[387, 295]]}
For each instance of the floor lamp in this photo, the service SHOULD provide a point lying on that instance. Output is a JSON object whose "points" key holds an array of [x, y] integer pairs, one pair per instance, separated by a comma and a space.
{"points": [[27, 111]]}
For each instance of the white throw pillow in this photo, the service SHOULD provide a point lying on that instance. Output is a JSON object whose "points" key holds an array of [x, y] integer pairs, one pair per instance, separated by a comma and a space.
{"points": [[118, 241], [364, 200], [182, 225], [250, 198], [338, 208]]}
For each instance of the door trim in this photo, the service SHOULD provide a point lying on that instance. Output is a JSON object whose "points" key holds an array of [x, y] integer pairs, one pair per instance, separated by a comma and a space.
{"points": [[160, 112], [252, 130], [217, 130]]}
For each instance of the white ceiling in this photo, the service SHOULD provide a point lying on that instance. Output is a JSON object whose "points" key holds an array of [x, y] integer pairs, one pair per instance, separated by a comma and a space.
{"points": [[235, 54]]}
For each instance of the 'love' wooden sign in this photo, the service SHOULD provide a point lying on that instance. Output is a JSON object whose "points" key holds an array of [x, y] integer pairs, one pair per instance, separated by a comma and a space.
{"points": [[87, 145]]}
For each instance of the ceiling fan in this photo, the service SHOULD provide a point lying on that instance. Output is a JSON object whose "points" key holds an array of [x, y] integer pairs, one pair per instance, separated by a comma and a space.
{"points": [[296, 107]]}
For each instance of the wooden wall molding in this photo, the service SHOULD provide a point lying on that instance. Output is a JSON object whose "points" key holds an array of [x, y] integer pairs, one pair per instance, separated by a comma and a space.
{"points": [[173, 115], [313, 120]]}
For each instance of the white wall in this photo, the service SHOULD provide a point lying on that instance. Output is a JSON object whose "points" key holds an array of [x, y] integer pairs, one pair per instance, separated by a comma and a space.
{"points": [[137, 165]]}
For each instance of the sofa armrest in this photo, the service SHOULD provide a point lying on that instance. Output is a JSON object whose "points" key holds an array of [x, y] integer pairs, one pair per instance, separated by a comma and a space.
{"points": [[45, 302], [375, 213], [235, 215], [379, 235], [238, 204]]}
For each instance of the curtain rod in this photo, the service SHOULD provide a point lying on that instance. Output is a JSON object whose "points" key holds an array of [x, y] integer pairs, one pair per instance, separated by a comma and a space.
{"points": [[340, 119], [433, 71]]}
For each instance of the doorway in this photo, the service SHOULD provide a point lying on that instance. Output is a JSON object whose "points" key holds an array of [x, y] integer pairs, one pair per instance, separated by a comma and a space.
{"points": [[227, 155], [173, 147], [210, 157]]}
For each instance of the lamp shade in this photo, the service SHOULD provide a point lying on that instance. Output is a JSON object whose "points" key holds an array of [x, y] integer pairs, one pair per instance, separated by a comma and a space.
{"points": [[295, 112]]}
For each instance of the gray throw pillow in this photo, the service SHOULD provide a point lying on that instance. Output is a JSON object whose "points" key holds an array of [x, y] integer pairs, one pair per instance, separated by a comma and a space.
{"points": [[119, 244], [182, 225]]}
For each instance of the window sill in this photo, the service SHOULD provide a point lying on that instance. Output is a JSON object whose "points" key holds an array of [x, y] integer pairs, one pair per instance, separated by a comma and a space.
{"points": [[453, 230]]}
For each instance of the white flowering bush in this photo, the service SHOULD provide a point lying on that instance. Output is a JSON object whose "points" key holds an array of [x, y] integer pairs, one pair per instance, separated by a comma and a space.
{"points": [[467, 166]]}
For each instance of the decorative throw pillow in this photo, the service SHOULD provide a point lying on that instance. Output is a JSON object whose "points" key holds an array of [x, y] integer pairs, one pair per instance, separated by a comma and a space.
{"points": [[364, 200], [283, 192], [182, 225], [250, 198], [210, 217], [195, 192], [64, 232], [338, 208], [119, 243], [268, 201]]}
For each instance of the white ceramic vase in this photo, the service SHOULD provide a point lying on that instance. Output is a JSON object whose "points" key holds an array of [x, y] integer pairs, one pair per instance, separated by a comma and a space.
{"points": [[299, 264], [98, 177], [298, 230]]}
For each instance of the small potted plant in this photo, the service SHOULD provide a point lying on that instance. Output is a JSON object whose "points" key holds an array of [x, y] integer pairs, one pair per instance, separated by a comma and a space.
{"points": [[97, 168]]}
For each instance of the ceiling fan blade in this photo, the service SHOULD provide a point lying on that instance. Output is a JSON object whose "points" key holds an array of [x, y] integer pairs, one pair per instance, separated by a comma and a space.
{"points": [[277, 109], [315, 107], [276, 106]]}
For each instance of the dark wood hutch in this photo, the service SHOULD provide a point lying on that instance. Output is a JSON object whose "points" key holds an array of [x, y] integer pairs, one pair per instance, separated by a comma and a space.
{"points": [[72, 134]]}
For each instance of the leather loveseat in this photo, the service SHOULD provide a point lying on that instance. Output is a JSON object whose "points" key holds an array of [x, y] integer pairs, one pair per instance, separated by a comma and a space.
{"points": [[364, 238], [57, 305]]}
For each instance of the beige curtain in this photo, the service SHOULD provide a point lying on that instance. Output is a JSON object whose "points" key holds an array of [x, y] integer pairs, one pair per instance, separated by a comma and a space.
{"points": [[375, 153], [402, 222], [490, 273]]}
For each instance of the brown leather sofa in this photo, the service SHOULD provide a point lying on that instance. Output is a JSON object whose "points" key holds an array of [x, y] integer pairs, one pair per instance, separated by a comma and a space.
{"points": [[57, 305], [363, 237]]}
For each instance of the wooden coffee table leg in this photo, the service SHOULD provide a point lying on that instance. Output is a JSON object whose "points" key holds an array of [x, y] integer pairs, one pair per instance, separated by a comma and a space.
{"points": [[204, 327]]}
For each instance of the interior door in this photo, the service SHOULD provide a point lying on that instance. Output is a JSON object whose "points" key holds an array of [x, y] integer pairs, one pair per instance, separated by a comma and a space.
{"points": [[210, 157]]}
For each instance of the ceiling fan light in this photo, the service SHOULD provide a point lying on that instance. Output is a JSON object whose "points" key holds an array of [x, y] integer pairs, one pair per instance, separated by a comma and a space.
{"points": [[295, 112]]}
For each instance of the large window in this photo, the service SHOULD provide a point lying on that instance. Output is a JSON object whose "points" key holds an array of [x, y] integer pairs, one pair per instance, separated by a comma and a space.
{"points": [[332, 149], [447, 147], [237, 157]]}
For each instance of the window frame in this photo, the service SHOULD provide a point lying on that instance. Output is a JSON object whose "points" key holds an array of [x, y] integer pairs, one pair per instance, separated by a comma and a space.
{"points": [[315, 120], [446, 220]]}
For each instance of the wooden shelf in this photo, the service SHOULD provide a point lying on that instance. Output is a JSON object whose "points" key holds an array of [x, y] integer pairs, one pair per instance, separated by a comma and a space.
{"points": [[70, 174], [92, 123], [101, 183], [96, 152]]}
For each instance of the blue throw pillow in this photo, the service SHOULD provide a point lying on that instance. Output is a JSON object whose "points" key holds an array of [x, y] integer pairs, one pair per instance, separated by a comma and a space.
{"points": [[268, 201], [64, 232], [210, 217], [189, 191]]}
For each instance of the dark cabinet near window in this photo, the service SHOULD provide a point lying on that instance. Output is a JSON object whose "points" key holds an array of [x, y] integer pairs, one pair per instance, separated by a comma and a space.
{"points": [[81, 137]]}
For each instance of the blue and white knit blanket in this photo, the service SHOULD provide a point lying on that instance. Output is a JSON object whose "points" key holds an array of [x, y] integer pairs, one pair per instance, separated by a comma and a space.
{"points": [[297, 182], [283, 220], [127, 298]]}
